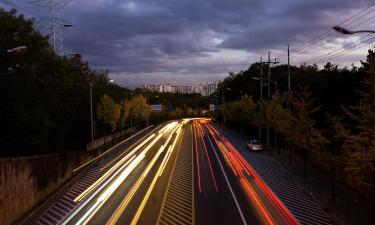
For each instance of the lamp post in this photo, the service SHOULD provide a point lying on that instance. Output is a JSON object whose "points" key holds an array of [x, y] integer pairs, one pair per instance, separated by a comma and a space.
{"points": [[19, 49], [344, 30], [91, 113], [274, 82], [157, 96], [131, 111], [105, 92]]}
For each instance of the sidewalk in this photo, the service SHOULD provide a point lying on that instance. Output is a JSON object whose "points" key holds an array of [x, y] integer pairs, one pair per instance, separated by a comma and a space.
{"points": [[349, 208]]}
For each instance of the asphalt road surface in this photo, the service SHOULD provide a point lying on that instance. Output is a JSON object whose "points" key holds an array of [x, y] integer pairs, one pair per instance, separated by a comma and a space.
{"points": [[180, 172]]}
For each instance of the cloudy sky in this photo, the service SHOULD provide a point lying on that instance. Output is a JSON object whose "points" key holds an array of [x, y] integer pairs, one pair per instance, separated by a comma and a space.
{"points": [[194, 41]]}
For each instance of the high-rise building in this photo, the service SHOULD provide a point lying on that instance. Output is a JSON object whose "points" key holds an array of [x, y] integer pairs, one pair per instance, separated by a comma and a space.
{"points": [[203, 89]]}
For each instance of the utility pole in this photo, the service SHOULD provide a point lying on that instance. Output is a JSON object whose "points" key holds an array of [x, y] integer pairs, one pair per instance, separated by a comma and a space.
{"points": [[261, 79], [91, 114], [269, 75], [269, 62], [131, 111], [289, 88], [260, 92]]}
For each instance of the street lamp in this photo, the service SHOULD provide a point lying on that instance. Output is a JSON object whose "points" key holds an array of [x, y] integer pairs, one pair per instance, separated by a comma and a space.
{"points": [[158, 104], [105, 92], [343, 30], [131, 111], [19, 49], [91, 113], [274, 82]]}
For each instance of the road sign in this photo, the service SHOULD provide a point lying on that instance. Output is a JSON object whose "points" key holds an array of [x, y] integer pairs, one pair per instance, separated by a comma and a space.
{"points": [[214, 107], [156, 108]]}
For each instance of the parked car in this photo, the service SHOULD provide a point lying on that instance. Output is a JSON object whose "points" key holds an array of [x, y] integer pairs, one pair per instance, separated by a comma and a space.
{"points": [[254, 145]]}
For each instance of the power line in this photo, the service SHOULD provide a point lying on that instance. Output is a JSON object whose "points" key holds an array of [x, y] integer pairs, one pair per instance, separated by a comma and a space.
{"points": [[368, 19], [344, 47], [351, 49], [347, 24], [320, 37]]}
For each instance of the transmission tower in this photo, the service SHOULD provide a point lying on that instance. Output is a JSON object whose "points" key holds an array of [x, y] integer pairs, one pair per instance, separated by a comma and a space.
{"points": [[52, 24]]}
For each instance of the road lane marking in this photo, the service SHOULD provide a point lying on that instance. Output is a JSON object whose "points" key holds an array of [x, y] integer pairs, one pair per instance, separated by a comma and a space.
{"points": [[229, 186], [192, 174], [179, 194]]}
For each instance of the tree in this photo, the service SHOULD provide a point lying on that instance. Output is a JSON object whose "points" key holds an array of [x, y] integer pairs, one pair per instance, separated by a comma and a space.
{"points": [[279, 117], [335, 158], [124, 113], [303, 133], [44, 97], [359, 144], [108, 112], [140, 109], [241, 112]]}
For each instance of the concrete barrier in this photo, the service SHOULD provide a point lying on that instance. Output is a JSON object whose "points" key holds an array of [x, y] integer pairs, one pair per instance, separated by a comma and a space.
{"points": [[97, 143], [26, 181]]}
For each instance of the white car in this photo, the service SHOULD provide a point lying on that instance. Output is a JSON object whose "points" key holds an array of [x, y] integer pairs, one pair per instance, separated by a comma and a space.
{"points": [[254, 145]]}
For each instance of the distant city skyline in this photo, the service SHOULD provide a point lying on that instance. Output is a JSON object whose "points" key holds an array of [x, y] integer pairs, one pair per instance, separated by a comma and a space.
{"points": [[189, 42], [205, 89]]}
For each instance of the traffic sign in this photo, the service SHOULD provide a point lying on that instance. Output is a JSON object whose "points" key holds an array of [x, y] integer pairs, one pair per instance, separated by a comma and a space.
{"points": [[156, 108]]}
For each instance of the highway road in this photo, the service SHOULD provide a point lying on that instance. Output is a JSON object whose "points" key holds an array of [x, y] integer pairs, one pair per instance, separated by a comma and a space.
{"points": [[180, 172]]}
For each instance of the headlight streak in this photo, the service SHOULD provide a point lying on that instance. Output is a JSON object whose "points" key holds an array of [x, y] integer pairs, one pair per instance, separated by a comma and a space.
{"points": [[89, 214], [109, 150], [116, 166], [144, 142], [109, 191], [116, 215], [104, 197], [151, 187], [65, 221], [170, 149], [243, 165]]}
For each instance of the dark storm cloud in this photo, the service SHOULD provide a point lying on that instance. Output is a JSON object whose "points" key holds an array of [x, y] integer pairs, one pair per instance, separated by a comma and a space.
{"points": [[185, 37]]}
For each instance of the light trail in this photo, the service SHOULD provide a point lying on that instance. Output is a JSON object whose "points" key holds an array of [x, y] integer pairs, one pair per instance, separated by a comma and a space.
{"points": [[109, 150], [114, 160], [109, 191], [151, 187], [243, 165], [80, 207], [260, 207], [120, 209], [104, 197], [208, 158], [229, 186], [108, 173], [197, 159], [170, 149]]}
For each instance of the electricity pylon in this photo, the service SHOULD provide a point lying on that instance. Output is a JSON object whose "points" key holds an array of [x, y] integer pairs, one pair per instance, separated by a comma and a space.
{"points": [[52, 24]]}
